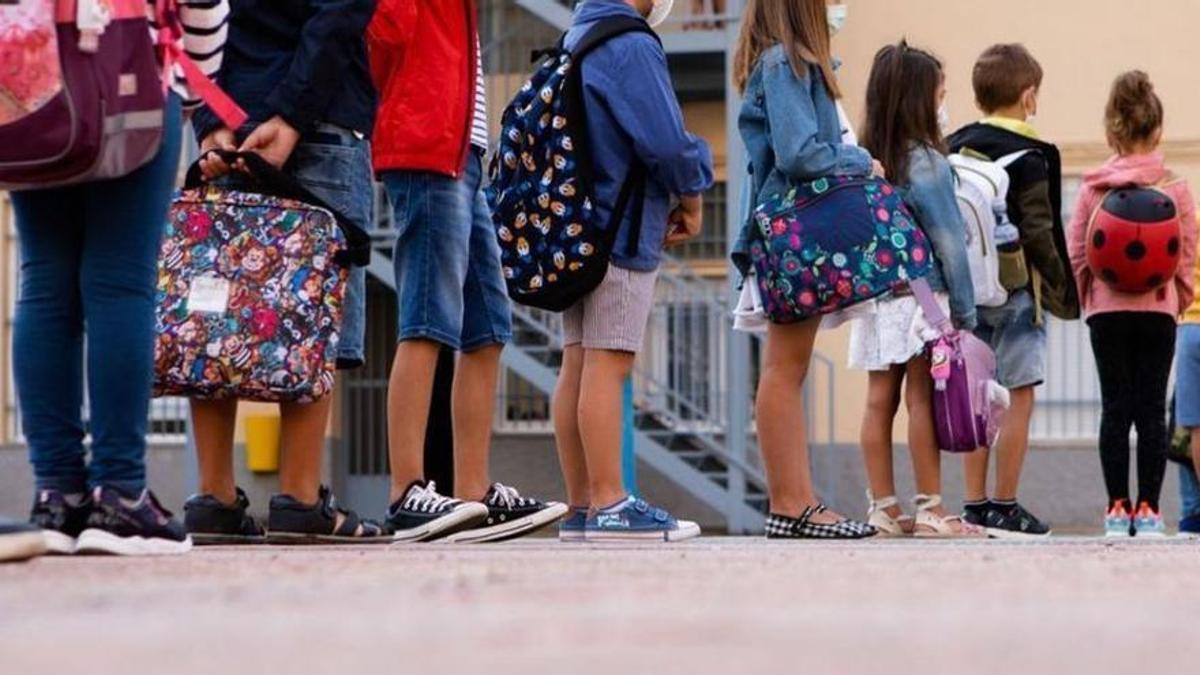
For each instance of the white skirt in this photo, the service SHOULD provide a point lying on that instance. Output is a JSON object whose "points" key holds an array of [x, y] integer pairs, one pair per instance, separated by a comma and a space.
{"points": [[893, 335]]}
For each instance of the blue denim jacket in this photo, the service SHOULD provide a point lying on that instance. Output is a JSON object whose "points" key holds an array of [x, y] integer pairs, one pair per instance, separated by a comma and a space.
{"points": [[929, 192], [792, 133]]}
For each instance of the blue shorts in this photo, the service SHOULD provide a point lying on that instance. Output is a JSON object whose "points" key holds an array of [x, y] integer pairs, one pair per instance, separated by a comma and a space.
{"points": [[447, 260], [335, 164], [1187, 376], [1012, 331]]}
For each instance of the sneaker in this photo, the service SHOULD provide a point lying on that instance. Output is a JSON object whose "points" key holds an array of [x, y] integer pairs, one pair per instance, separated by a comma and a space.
{"points": [[61, 517], [20, 541], [211, 522], [290, 521], [571, 528], [121, 526], [786, 527], [1012, 521], [1189, 527], [1118, 522], [509, 516], [975, 513], [632, 519], [1148, 523], [424, 515]]}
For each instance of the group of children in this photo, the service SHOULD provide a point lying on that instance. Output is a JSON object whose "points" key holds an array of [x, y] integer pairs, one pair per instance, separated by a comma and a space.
{"points": [[339, 94]]}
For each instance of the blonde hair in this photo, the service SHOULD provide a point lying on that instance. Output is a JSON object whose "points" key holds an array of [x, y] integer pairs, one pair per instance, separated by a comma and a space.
{"points": [[1134, 112], [801, 26]]}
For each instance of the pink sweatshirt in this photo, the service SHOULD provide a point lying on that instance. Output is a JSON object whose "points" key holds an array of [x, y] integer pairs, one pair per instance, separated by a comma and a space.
{"points": [[1097, 297]]}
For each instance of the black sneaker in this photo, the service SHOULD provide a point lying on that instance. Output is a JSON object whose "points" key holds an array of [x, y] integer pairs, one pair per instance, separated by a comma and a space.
{"points": [[509, 516], [1012, 521], [61, 517], [141, 526], [293, 522], [976, 513], [211, 522], [786, 527], [20, 541], [423, 515]]}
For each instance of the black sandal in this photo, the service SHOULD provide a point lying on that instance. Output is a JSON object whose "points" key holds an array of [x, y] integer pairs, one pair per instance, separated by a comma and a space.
{"points": [[292, 522], [785, 527]]}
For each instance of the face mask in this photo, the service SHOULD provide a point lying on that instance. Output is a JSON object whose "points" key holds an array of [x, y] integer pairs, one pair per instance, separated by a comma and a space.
{"points": [[943, 119], [659, 12], [837, 17]]}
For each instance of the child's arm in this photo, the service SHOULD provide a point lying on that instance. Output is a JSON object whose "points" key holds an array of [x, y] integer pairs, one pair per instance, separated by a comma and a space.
{"points": [[1077, 242], [931, 195], [1185, 279], [792, 116]]}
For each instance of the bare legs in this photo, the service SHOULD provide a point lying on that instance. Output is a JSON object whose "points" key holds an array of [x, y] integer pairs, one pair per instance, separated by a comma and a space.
{"points": [[1011, 449], [410, 391], [883, 400]]}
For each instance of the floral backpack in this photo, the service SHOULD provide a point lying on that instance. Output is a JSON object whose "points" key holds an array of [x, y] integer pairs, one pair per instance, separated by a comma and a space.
{"points": [[250, 290], [553, 249]]}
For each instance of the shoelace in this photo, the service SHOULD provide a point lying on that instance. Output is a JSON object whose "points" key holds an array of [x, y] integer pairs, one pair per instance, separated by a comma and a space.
{"points": [[507, 496], [426, 499]]}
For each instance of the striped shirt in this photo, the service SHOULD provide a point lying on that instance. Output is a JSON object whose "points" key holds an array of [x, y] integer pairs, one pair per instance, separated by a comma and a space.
{"points": [[479, 126], [205, 27]]}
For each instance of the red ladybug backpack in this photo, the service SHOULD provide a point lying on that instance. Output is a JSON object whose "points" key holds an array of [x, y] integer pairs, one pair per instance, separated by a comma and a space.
{"points": [[1133, 240]]}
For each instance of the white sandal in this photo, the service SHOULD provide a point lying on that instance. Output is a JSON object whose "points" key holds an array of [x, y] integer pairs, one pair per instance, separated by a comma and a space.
{"points": [[929, 525], [877, 517]]}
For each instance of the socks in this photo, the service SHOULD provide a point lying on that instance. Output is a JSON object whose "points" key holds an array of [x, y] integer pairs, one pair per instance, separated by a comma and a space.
{"points": [[979, 506], [1004, 505]]}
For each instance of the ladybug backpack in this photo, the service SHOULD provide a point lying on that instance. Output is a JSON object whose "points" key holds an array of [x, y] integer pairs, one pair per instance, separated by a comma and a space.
{"points": [[554, 249], [1133, 238]]}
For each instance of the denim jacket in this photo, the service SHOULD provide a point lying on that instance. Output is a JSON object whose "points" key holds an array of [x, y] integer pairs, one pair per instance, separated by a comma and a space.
{"points": [[929, 192], [792, 133]]}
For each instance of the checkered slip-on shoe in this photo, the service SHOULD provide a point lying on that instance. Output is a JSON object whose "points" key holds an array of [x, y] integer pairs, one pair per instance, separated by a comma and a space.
{"points": [[783, 527]]}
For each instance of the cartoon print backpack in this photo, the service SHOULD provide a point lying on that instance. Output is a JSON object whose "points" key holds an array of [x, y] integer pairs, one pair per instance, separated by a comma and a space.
{"points": [[1133, 238], [832, 243], [553, 249], [250, 290], [82, 89], [996, 259]]}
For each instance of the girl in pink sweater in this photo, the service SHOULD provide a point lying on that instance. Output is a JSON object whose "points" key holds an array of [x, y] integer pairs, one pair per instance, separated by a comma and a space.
{"points": [[1133, 334]]}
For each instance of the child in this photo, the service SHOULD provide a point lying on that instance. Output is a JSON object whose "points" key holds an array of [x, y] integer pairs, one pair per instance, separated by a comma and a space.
{"points": [[905, 93], [1133, 334], [603, 332], [1006, 81], [789, 123]]}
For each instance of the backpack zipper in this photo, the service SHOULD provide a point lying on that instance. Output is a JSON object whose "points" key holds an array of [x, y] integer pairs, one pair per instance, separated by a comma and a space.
{"points": [[978, 226]]}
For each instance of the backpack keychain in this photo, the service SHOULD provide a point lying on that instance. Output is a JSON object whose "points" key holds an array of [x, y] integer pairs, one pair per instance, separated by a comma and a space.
{"points": [[91, 18], [939, 364]]}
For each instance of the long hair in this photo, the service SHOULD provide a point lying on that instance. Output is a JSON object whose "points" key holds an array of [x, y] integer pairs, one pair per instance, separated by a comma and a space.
{"points": [[801, 26], [902, 107]]}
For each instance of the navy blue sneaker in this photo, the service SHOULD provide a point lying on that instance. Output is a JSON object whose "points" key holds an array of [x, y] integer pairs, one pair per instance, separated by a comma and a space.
{"points": [[20, 541], [211, 522], [632, 519], [571, 528], [1189, 527], [122, 526], [510, 516], [61, 517]]}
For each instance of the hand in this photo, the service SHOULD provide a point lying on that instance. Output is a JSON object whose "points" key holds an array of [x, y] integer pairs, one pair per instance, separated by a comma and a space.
{"points": [[273, 140], [877, 169], [212, 166], [686, 221]]}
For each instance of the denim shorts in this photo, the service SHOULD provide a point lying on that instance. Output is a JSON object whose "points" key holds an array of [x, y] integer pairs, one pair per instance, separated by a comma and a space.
{"points": [[447, 260], [1187, 376], [335, 165], [1012, 331]]}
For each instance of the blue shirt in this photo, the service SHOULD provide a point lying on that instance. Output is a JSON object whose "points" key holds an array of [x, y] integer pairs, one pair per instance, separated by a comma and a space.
{"points": [[304, 60], [632, 113]]}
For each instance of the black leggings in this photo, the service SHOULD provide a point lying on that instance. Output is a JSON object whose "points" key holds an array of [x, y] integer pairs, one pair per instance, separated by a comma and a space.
{"points": [[1133, 352]]}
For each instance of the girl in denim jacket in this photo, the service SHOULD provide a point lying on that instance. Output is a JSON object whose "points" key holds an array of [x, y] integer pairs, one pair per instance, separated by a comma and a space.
{"points": [[904, 95]]}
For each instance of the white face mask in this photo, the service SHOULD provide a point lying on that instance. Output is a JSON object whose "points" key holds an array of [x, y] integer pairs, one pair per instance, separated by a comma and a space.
{"points": [[659, 12], [837, 17], [944, 119]]}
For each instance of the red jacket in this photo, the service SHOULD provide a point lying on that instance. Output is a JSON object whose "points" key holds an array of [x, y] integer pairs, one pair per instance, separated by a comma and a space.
{"points": [[423, 55]]}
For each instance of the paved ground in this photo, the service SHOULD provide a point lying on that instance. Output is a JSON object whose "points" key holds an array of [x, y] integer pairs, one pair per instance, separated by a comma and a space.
{"points": [[712, 606]]}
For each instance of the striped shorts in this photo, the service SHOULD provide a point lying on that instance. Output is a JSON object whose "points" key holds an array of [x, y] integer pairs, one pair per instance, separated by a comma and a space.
{"points": [[614, 316]]}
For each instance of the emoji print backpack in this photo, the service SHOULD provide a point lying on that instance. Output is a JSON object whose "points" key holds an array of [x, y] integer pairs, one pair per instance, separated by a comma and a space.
{"points": [[553, 248], [250, 289]]}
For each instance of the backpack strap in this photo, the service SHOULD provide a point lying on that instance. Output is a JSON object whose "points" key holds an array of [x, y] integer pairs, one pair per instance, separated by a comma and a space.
{"points": [[1012, 158], [170, 32], [929, 305]]}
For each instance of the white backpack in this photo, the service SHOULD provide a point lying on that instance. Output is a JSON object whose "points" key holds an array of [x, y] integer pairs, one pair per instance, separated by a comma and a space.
{"points": [[982, 191]]}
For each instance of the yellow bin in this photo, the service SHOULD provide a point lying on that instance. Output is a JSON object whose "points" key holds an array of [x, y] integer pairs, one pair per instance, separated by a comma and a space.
{"points": [[262, 443]]}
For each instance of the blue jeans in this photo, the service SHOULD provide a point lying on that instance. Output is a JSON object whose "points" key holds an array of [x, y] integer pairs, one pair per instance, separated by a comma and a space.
{"points": [[1189, 492], [448, 279], [88, 267], [1012, 331]]}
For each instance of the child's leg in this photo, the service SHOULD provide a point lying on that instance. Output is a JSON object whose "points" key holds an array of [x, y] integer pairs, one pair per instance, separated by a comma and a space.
{"points": [[410, 390], [601, 396], [782, 430], [1013, 444], [922, 438], [302, 440], [975, 473], [474, 400], [1151, 355], [883, 400], [1118, 393], [212, 428], [566, 427]]}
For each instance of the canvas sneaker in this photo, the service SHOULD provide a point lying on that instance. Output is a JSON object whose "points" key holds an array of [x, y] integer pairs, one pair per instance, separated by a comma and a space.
{"points": [[1118, 522], [209, 521], [632, 519], [1148, 523], [61, 517], [509, 516], [1012, 521], [123, 526], [423, 514], [785, 527], [20, 541], [571, 528]]}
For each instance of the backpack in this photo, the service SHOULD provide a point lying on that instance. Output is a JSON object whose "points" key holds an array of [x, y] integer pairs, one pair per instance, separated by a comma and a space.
{"points": [[981, 188], [84, 89], [553, 250], [1133, 238], [968, 403]]}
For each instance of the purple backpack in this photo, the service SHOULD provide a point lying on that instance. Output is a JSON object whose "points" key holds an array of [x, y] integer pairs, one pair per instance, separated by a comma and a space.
{"points": [[968, 403]]}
